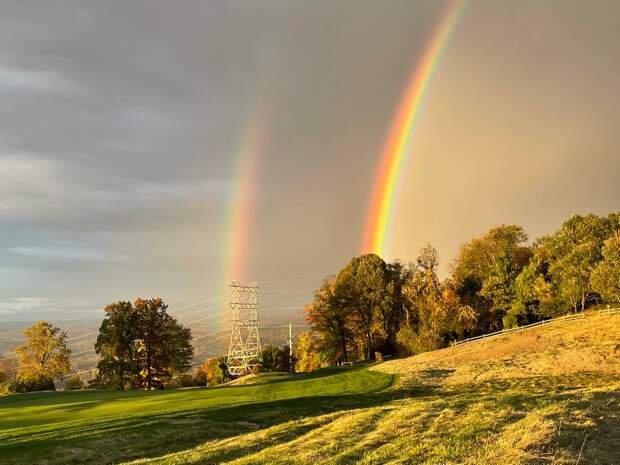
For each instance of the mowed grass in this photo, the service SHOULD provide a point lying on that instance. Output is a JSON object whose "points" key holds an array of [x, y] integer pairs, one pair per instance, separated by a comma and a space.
{"points": [[549, 395], [106, 427]]}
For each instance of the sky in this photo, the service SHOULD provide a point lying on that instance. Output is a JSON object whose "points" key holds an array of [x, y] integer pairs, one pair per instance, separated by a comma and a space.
{"points": [[129, 131]]}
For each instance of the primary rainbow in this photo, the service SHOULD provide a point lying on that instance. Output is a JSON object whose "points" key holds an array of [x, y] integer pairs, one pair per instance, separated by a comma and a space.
{"points": [[398, 144]]}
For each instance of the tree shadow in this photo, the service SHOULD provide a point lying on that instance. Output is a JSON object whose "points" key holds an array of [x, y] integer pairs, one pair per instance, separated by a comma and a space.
{"points": [[209, 423]]}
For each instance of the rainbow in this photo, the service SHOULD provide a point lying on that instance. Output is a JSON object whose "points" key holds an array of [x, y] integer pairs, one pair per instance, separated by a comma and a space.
{"points": [[399, 141], [240, 211]]}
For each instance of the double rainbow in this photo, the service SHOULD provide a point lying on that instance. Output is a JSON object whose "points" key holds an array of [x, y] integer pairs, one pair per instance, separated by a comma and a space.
{"points": [[399, 142]]}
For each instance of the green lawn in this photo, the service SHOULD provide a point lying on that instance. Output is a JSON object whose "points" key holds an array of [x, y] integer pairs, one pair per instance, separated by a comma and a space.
{"points": [[106, 427]]}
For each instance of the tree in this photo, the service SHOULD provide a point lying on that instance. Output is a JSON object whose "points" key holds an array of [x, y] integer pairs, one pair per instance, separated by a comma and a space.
{"points": [[275, 359], [118, 365], [499, 287], [43, 358], [366, 292], [214, 372], [605, 278], [421, 286], [559, 277], [8, 368], [308, 355], [141, 345], [331, 317], [485, 270], [391, 314]]}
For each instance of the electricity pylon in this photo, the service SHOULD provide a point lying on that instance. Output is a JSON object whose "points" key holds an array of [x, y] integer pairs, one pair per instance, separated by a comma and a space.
{"points": [[244, 351]]}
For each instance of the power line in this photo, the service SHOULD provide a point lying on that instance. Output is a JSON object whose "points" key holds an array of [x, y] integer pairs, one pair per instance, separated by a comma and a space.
{"points": [[288, 291], [217, 297], [83, 352], [169, 311], [203, 309], [206, 318], [84, 357]]}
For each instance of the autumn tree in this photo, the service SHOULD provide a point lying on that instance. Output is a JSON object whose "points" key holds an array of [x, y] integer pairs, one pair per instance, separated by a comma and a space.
{"points": [[435, 315], [43, 358], [308, 355], [141, 345], [213, 372]]}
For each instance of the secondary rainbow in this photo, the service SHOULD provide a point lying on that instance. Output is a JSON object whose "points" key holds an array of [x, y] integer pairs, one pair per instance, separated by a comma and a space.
{"points": [[398, 144], [240, 211]]}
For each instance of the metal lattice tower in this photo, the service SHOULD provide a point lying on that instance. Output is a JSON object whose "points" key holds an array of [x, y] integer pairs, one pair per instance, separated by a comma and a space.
{"points": [[244, 352]]}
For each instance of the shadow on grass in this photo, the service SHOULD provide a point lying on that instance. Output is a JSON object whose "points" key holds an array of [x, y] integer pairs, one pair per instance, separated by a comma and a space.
{"points": [[140, 436], [163, 433]]}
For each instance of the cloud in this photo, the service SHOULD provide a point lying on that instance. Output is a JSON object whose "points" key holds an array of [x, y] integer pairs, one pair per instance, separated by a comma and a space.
{"points": [[63, 253], [16, 80]]}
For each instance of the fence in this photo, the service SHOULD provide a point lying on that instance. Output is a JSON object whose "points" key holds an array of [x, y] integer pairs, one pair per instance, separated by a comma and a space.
{"points": [[576, 316]]}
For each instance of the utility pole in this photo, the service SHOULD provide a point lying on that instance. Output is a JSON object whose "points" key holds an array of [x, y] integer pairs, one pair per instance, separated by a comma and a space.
{"points": [[244, 351], [290, 347]]}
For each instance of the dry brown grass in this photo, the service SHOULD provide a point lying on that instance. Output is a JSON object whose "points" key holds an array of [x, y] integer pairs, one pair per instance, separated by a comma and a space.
{"points": [[582, 346]]}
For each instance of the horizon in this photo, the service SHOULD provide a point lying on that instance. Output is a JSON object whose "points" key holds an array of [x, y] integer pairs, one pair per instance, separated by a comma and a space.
{"points": [[255, 141]]}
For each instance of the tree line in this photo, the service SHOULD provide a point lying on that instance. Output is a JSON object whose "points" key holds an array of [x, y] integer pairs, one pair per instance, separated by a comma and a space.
{"points": [[140, 346], [496, 281], [370, 306]]}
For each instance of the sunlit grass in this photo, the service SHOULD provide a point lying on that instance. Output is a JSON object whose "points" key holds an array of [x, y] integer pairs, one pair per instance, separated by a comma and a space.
{"points": [[548, 396]]}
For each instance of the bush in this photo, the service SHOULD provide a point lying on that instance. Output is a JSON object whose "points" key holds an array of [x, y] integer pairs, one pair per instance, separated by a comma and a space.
{"points": [[406, 341], [6, 389], [185, 380], [74, 384], [409, 342], [36, 384]]}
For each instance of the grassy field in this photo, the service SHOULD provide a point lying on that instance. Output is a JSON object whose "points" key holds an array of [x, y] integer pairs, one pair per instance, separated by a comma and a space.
{"points": [[549, 395]]}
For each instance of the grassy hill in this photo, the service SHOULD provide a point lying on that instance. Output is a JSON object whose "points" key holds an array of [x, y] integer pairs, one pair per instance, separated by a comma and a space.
{"points": [[549, 395]]}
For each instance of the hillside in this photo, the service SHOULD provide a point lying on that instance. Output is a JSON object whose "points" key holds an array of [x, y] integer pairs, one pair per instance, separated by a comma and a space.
{"points": [[548, 395]]}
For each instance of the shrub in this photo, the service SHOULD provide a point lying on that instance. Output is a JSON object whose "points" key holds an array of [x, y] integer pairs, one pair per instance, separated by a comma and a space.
{"points": [[406, 341], [6, 389], [36, 384], [185, 380]]}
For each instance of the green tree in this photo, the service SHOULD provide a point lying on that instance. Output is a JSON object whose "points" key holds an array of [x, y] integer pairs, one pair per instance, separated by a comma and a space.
{"points": [[275, 359], [43, 358], [141, 345], [559, 275], [485, 270], [500, 287], [118, 364], [366, 292], [605, 278], [330, 316]]}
